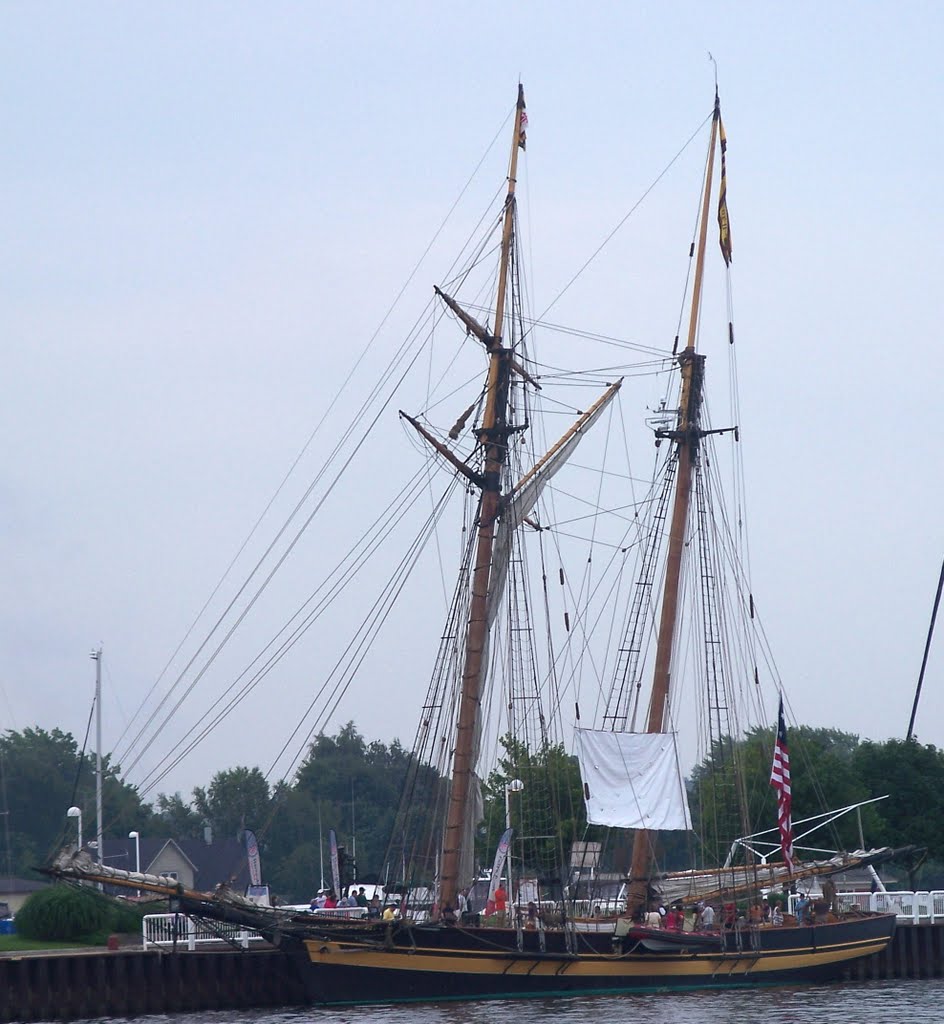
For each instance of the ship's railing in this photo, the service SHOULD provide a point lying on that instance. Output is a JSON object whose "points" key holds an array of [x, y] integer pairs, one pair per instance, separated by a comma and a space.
{"points": [[922, 907], [347, 913], [159, 930]]}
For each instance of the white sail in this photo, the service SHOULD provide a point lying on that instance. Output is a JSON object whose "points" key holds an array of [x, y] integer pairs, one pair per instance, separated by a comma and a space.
{"points": [[522, 499], [632, 780], [516, 508]]}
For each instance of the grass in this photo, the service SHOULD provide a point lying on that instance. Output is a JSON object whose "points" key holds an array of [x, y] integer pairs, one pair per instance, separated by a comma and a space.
{"points": [[12, 943]]}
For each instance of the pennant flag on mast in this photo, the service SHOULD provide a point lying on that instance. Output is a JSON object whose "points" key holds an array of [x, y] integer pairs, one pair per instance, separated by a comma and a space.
{"points": [[780, 780], [523, 123], [724, 224]]}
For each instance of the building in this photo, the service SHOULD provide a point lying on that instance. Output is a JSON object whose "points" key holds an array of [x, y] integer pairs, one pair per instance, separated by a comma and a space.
{"points": [[194, 863], [14, 892]]}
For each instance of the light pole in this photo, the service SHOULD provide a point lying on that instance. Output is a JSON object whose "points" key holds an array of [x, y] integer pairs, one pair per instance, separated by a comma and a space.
{"points": [[76, 812], [514, 786], [136, 836]]}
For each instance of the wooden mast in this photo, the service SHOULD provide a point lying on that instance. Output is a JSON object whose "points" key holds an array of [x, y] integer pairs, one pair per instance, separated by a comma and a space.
{"points": [[687, 436], [494, 436]]}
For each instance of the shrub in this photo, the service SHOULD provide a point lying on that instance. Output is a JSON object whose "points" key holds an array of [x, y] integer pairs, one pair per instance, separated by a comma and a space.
{"points": [[67, 913]]}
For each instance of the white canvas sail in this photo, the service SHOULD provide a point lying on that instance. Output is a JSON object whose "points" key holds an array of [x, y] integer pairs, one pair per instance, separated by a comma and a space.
{"points": [[517, 506], [632, 780], [522, 499]]}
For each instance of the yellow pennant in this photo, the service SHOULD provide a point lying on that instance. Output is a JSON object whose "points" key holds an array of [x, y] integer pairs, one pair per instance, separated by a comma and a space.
{"points": [[724, 224]]}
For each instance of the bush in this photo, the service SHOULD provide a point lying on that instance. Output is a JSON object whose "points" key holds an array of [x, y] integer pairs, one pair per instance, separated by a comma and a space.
{"points": [[68, 913]]}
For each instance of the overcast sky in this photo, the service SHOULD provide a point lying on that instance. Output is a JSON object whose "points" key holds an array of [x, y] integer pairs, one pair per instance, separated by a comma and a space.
{"points": [[209, 208]]}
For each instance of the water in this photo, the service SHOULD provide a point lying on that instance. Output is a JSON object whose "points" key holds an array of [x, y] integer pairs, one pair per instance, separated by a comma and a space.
{"points": [[876, 1002]]}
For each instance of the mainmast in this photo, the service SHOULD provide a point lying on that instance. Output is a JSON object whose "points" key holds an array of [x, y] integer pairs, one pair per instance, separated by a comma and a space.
{"points": [[687, 436], [493, 435]]}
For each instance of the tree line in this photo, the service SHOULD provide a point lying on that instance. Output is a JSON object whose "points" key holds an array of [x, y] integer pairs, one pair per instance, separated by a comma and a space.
{"points": [[354, 786]]}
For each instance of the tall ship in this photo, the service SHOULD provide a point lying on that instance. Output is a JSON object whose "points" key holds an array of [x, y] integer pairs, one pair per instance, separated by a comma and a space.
{"points": [[458, 930]]}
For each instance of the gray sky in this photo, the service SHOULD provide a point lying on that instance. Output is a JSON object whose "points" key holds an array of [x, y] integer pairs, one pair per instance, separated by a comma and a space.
{"points": [[209, 208]]}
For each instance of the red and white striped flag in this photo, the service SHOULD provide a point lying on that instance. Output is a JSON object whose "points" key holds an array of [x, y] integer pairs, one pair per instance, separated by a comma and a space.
{"points": [[780, 780]]}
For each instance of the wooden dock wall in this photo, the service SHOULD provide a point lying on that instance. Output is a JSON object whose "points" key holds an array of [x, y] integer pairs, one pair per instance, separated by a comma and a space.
{"points": [[916, 951], [73, 986], [132, 982]]}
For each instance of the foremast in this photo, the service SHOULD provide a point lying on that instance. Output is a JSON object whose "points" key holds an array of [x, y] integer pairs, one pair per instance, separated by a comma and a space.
{"points": [[687, 437], [493, 435]]}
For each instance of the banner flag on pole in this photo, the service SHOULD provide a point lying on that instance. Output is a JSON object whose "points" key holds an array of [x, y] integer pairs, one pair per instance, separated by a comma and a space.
{"points": [[780, 780]]}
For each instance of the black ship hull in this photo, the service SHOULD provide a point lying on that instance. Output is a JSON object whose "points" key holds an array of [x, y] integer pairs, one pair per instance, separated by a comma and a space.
{"points": [[425, 964]]}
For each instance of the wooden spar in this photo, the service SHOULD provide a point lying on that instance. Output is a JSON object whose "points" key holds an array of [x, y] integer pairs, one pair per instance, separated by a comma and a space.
{"points": [[493, 435], [445, 452], [687, 435], [575, 429]]}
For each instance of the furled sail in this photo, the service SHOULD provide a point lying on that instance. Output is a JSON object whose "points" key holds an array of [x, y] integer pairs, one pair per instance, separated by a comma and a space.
{"points": [[632, 780], [516, 507], [522, 499]]}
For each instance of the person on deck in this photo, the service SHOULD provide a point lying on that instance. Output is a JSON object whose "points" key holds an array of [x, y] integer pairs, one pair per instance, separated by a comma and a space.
{"points": [[706, 918], [361, 898], [653, 918], [501, 900], [803, 909], [331, 901]]}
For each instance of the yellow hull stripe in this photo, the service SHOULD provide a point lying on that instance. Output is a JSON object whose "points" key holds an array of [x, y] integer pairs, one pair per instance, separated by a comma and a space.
{"points": [[698, 965]]}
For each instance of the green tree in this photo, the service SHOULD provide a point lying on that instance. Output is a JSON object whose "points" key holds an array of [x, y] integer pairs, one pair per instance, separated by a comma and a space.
{"points": [[824, 776], [236, 798], [351, 786], [177, 819], [912, 774], [547, 814], [44, 773]]}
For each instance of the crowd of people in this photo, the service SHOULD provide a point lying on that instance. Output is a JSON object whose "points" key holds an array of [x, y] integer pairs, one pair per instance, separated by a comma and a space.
{"points": [[770, 911], [702, 917], [357, 897]]}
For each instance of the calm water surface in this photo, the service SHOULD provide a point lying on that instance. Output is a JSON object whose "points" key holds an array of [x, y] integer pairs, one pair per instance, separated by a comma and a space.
{"points": [[878, 1002]]}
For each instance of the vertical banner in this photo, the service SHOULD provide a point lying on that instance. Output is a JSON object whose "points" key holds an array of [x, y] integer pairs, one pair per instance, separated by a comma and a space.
{"points": [[335, 870], [252, 856], [501, 854], [780, 780]]}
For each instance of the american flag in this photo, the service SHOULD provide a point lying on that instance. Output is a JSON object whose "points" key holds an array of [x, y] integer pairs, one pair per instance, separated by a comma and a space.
{"points": [[780, 780], [523, 129]]}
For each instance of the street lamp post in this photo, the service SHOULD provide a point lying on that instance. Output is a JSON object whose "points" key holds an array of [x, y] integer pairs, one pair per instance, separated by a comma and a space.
{"points": [[136, 836], [76, 812], [514, 786]]}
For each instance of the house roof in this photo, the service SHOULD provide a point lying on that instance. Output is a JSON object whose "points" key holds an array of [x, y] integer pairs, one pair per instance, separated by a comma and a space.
{"points": [[220, 861], [121, 853], [12, 885], [213, 863]]}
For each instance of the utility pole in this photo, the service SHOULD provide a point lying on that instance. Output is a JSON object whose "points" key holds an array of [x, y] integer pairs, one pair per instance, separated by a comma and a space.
{"points": [[96, 656]]}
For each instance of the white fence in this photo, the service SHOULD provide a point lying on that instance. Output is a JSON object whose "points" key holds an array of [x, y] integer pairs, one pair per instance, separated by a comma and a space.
{"points": [[158, 930], [908, 907]]}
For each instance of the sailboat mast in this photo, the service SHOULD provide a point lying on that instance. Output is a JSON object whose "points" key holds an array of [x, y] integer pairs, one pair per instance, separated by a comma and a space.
{"points": [[687, 436], [494, 436]]}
